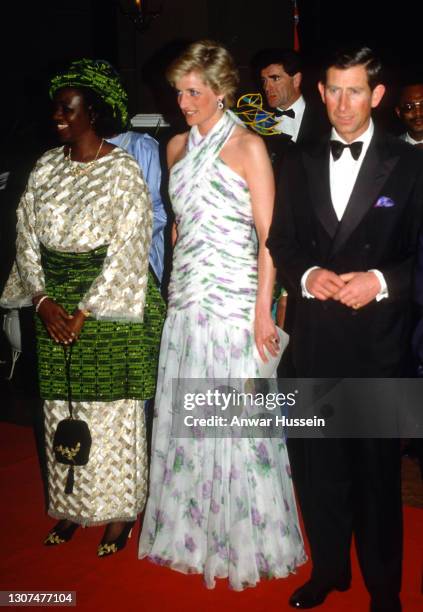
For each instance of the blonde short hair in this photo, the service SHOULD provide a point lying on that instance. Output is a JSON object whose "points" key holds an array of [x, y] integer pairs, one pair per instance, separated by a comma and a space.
{"points": [[213, 62]]}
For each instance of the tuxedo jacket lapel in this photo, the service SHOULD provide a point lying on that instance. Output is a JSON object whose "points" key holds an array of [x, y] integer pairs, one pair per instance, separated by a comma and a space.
{"points": [[305, 125], [375, 169], [317, 168]]}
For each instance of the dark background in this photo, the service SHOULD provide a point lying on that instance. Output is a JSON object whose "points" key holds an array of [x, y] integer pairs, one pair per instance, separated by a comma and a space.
{"points": [[44, 36]]}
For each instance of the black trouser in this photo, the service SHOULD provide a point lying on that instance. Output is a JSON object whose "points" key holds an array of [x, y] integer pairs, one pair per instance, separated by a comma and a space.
{"points": [[346, 487]]}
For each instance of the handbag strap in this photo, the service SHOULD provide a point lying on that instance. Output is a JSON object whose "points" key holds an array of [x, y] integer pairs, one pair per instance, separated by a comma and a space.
{"points": [[67, 350]]}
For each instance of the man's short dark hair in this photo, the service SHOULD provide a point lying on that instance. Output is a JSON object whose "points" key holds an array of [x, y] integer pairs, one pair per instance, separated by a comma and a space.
{"points": [[359, 55], [289, 59]]}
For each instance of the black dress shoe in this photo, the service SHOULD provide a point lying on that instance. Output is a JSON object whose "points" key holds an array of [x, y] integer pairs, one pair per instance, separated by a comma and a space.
{"points": [[312, 594]]}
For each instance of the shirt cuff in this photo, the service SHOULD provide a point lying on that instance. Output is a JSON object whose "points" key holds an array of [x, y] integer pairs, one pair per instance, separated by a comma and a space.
{"points": [[304, 292], [383, 293]]}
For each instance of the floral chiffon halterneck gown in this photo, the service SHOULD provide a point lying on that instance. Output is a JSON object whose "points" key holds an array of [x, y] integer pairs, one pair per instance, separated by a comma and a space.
{"points": [[218, 506]]}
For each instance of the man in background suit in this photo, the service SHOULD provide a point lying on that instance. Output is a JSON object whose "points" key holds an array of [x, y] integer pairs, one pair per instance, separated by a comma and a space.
{"points": [[410, 112], [344, 239], [300, 121]]}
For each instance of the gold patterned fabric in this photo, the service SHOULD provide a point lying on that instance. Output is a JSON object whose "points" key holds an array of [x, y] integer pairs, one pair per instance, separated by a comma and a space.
{"points": [[78, 214], [113, 484], [107, 205], [112, 359]]}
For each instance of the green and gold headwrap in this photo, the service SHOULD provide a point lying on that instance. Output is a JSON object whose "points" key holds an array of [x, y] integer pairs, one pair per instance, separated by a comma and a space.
{"points": [[99, 76]]}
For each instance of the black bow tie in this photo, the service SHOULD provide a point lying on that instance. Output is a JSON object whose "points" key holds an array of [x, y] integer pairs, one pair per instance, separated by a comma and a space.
{"points": [[337, 148], [287, 113]]}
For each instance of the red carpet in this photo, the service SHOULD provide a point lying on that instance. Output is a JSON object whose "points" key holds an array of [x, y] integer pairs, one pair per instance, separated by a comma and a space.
{"points": [[131, 585]]}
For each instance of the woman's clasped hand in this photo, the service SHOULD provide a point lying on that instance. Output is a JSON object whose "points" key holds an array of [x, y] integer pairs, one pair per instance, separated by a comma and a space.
{"points": [[62, 326]]}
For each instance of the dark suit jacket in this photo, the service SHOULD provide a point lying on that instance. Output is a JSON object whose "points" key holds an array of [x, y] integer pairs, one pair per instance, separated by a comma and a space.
{"points": [[329, 339], [314, 126]]}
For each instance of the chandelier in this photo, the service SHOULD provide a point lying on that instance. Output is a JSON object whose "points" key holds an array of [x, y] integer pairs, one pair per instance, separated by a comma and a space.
{"points": [[141, 12]]}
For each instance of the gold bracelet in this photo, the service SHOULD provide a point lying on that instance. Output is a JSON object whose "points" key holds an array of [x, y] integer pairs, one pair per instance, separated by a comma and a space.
{"points": [[40, 301]]}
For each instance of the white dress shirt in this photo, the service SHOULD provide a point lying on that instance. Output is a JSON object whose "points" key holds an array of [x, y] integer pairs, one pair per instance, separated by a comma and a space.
{"points": [[290, 126], [407, 138], [342, 177], [344, 171]]}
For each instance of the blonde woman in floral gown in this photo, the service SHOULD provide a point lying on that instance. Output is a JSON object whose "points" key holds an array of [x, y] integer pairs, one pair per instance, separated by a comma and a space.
{"points": [[218, 506]]}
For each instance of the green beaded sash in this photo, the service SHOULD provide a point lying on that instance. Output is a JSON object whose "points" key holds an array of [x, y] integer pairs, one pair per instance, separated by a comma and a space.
{"points": [[111, 360]]}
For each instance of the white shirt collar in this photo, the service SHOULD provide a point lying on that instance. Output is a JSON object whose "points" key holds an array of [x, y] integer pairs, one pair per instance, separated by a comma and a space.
{"points": [[365, 137], [407, 138], [343, 173], [289, 125], [298, 106]]}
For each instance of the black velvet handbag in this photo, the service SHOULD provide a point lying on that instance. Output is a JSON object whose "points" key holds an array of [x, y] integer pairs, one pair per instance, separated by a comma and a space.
{"points": [[72, 439]]}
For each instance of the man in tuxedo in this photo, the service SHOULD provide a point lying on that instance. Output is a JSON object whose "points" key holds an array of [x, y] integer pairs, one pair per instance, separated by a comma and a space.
{"points": [[280, 74], [410, 111], [344, 239]]}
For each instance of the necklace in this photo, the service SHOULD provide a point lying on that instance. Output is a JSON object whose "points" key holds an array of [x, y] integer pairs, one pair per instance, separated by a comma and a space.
{"points": [[78, 170]]}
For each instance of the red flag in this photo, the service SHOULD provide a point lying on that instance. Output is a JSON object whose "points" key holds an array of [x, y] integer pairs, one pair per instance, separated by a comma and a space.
{"points": [[296, 20]]}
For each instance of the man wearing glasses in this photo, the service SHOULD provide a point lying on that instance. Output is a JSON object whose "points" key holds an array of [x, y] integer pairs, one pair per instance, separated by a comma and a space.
{"points": [[410, 112]]}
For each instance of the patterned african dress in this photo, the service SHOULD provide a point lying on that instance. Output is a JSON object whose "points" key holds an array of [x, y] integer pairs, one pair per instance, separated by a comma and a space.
{"points": [[103, 215], [223, 507]]}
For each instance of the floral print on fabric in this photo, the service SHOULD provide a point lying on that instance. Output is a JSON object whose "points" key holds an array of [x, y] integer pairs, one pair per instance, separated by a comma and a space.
{"points": [[223, 507]]}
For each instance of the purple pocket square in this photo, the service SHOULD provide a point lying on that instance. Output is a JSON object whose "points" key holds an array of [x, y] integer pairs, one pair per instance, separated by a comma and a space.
{"points": [[384, 202]]}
